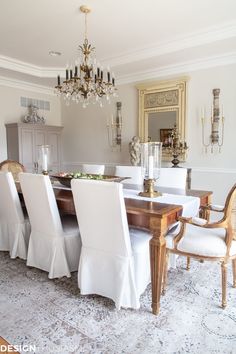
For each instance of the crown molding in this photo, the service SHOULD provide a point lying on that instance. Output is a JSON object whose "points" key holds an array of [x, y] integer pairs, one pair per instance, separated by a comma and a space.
{"points": [[182, 68], [194, 39], [27, 68], [156, 73], [23, 85]]}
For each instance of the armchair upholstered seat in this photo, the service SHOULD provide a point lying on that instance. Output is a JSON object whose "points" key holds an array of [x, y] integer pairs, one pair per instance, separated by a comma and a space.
{"points": [[14, 226], [212, 241], [114, 261], [55, 243]]}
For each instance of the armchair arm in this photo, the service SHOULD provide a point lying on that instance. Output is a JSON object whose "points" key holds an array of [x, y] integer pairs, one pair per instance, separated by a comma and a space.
{"points": [[213, 207], [203, 223]]}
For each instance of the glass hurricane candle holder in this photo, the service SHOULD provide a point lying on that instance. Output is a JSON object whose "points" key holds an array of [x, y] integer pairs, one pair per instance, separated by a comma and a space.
{"points": [[151, 166], [44, 158]]}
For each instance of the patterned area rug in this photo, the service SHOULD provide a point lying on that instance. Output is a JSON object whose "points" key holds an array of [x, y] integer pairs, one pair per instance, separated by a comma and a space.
{"points": [[52, 316]]}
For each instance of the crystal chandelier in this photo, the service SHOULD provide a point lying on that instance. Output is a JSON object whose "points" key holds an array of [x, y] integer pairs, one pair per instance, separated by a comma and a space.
{"points": [[86, 83]]}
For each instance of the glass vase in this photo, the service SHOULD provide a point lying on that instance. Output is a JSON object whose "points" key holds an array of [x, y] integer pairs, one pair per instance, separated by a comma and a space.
{"points": [[44, 158]]}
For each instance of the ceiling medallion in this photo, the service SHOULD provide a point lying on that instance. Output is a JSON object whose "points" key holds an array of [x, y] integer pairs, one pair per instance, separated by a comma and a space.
{"points": [[87, 82]]}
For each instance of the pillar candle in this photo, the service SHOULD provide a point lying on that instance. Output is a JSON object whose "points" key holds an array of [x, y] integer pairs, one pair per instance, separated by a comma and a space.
{"points": [[45, 162], [150, 167]]}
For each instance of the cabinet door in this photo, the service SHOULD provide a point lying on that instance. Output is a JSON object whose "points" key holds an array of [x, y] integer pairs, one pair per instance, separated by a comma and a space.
{"points": [[27, 149]]}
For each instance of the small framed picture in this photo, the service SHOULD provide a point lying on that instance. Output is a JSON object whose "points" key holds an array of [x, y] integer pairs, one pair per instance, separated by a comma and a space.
{"points": [[165, 137]]}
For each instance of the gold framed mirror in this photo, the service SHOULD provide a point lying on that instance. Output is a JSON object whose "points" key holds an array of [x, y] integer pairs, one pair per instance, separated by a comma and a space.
{"points": [[162, 105]]}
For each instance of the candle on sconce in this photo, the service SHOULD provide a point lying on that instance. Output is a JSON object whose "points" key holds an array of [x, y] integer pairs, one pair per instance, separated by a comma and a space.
{"points": [[112, 121], [150, 167]]}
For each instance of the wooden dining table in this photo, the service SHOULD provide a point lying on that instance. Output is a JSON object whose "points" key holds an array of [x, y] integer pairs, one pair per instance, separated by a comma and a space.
{"points": [[153, 216]]}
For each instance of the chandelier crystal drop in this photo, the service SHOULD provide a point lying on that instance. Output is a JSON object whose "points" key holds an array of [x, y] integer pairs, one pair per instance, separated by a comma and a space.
{"points": [[87, 82]]}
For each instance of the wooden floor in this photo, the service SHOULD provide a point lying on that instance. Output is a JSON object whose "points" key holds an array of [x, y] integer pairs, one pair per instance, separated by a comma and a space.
{"points": [[3, 345]]}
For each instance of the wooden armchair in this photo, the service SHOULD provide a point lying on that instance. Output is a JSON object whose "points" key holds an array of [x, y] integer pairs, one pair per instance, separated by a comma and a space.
{"points": [[12, 166], [205, 240]]}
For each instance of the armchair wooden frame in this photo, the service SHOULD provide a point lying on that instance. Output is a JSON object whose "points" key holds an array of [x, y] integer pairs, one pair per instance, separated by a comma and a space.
{"points": [[12, 166], [228, 222]]}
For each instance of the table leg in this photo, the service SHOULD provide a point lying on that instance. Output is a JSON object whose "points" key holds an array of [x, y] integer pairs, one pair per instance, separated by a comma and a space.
{"points": [[157, 259], [204, 213]]}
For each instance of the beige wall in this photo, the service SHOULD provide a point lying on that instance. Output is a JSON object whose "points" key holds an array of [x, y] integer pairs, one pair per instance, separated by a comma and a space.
{"points": [[85, 135], [85, 132], [11, 111]]}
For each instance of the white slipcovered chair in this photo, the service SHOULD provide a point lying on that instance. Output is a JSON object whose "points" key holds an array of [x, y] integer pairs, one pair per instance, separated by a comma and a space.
{"points": [[94, 169], [114, 261], [55, 243], [172, 178], [210, 241], [134, 172], [14, 227]]}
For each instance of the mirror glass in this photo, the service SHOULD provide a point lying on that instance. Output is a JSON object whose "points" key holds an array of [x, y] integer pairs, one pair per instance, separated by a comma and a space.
{"points": [[160, 125]]}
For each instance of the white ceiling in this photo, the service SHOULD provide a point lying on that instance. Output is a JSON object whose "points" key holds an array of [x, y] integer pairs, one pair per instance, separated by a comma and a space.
{"points": [[139, 39]]}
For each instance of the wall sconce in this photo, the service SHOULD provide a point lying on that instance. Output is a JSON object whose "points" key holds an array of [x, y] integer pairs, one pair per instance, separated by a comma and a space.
{"points": [[175, 147], [114, 128], [216, 138]]}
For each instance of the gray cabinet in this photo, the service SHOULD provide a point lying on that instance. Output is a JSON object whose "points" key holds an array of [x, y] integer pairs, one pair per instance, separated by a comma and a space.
{"points": [[24, 139]]}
